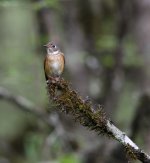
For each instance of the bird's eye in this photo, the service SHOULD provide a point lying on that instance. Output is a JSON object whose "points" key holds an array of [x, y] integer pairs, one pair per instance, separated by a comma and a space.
{"points": [[53, 46]]}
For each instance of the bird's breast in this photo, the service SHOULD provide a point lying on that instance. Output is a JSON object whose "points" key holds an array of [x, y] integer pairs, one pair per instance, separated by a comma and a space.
{"points": [[54, 65]]}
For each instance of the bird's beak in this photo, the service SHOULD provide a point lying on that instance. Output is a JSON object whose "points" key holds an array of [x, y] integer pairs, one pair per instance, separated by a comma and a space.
{"points": [[45, 45]]}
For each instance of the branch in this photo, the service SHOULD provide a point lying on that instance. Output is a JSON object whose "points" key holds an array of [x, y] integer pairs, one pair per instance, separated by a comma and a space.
{"points": [[52, 120], [24, 104], [91, 116]]}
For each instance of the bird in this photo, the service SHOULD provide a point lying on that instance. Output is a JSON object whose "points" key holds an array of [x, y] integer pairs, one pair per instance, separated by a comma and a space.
{"points": [[54, 62]]}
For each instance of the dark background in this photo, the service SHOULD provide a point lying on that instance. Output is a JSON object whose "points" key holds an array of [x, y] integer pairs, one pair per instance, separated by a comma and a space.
{"points": [[107, 49]]}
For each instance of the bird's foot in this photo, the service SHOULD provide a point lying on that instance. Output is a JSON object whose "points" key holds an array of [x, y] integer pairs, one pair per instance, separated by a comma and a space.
{"points": [[57, 78], [53, 80]]}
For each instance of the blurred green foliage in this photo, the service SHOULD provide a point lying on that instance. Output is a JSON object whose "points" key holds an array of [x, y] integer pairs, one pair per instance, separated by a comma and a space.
{"points": [[21, 66], [21, 71], [69, 159], [33, 145], [11, 121], [53, 4]]}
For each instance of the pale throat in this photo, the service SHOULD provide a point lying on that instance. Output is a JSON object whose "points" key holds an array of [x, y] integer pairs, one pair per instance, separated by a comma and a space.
{"points": [[52, 53]]}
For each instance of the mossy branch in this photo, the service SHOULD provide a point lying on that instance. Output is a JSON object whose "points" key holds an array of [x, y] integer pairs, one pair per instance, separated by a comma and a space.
{"points": [[92, 116]]}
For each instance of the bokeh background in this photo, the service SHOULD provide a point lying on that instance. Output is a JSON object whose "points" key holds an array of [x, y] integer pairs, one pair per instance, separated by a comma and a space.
{"points": [[107, 49]]}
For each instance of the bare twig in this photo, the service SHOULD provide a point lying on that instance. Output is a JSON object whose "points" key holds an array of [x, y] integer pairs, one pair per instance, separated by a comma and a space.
{"points": [[24, 104], [53, 119]]}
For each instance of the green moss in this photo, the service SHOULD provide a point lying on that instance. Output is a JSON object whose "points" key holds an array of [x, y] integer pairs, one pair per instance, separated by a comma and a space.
{"points": [[71, 103]]}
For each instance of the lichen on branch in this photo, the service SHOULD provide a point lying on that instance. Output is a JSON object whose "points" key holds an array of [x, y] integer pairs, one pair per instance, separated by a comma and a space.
{"points": [[92, 116], [70, 102]]}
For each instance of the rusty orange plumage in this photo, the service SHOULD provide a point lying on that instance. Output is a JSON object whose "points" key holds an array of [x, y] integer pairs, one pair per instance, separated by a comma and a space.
{"points": [[54, 61]]}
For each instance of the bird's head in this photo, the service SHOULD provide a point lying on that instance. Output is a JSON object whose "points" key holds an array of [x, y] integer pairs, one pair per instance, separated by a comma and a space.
{"points": [[52, 48]]}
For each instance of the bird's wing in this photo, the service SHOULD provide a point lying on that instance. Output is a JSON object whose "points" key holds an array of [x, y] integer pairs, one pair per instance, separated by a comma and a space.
{"points": [[63, 57], [45, 68]]}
